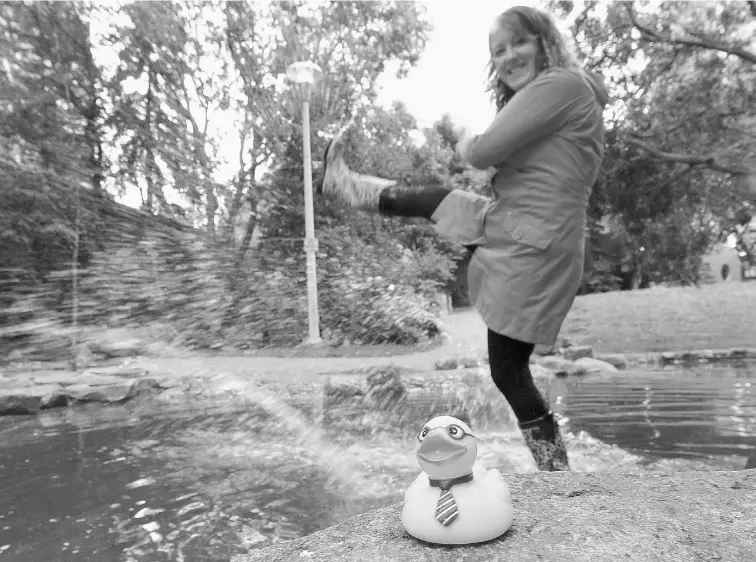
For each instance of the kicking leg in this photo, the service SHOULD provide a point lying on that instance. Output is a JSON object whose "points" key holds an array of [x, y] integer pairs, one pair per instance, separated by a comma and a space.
{"points": [[373, 193]]}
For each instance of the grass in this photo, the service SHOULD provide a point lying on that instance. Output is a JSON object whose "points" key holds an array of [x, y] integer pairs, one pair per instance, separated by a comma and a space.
{"points": [[645, 321], [666, 319], [653, 320]]}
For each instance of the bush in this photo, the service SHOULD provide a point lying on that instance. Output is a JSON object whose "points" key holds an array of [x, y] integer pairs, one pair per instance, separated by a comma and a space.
{"points": [[377, 279], [205, 297]]}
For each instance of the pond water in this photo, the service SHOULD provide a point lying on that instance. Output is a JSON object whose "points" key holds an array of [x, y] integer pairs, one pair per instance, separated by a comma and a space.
{"points": [[702, 412], [129, 484]]}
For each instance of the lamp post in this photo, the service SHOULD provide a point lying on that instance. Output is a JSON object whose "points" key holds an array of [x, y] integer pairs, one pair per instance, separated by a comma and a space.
{"points": [[304, 72]]}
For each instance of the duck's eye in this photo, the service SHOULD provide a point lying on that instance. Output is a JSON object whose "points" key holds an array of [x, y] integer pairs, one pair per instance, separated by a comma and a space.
{"points": [[423, 433], [455, 432]]}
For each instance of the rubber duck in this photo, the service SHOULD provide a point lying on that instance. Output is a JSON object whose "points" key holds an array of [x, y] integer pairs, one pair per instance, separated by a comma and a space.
{"points": [[454, 500]]}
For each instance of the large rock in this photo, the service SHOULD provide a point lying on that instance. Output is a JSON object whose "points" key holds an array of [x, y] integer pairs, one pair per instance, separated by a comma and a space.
{"points": [[344, 388], [109, 393], [385, 387], [560, 366], [751, 462], [376, 388], [446, 364], [466, 362], [116, 342], [575, 517], [578, 351], [592, 365], [541, 349], [617, 359], [27, 400], [541, 371], [31, 399], [554, 362]]}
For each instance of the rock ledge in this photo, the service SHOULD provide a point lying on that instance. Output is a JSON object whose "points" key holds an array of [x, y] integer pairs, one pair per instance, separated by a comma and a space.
{"points": [[580, 517]]}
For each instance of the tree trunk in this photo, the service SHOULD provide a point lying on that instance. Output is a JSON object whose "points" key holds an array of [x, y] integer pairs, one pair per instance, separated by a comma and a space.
{"points": [[95, 147], [212, 206], [150, 158], [92, 112], [236, 204], [251, 223], [241, 180], [156, 202]]}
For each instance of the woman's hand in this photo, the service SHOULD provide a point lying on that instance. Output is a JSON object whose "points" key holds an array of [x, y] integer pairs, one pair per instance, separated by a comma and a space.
{"points": [[465, 137]]}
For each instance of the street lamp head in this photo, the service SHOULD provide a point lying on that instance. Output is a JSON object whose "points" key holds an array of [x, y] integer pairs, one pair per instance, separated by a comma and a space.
{"points": [[303, 72]]}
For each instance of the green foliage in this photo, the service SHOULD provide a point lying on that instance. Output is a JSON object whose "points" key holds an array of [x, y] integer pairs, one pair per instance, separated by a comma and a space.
{"points": [[381, 299], [152, 113], [378, 278], [352, 42], [680, 154]]}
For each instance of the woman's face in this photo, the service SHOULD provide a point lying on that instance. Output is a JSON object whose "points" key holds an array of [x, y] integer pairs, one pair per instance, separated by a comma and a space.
{"points": [[515, 54]]}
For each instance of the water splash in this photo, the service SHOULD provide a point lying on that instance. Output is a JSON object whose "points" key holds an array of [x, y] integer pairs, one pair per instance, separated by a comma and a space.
{"points": [[335, 460]]}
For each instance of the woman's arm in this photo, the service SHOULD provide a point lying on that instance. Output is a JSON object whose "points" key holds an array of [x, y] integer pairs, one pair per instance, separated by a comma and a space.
{"points": [[538, 110]]}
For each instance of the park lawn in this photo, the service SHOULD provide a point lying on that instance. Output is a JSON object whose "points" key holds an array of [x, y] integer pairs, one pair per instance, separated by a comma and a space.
{"points": [[665, 319]]}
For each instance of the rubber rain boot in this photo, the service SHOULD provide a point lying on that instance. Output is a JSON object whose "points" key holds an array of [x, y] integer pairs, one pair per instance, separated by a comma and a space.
{"points": [[358, 190], [543, 438]]}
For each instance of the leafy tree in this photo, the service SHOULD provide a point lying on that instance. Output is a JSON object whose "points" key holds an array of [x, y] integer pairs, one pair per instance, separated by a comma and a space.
{"points": [[352, 42], [163, 142], [50, 130], [680, 147], [74, 127]]}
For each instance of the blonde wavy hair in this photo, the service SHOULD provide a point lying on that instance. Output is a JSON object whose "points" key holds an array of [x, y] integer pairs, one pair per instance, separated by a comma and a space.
{"points": [[556, 50]]}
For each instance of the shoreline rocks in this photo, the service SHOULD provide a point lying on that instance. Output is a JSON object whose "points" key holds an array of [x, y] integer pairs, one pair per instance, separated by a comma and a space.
{"points": [[574, 360], [706, 355], [30, 393], [43, 387]]}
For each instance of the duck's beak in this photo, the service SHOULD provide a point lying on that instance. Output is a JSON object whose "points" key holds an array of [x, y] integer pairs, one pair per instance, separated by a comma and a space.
{"points": [[438, 448]]}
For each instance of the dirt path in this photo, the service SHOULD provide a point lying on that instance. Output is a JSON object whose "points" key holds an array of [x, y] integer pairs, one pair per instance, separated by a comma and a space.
{"points": [[28, 391]]}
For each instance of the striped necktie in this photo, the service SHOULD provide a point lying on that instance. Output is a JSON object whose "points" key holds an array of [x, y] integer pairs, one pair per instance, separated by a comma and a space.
{"points": [[447, 511]]}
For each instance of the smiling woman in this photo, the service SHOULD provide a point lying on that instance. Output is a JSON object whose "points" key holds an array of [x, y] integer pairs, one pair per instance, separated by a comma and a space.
{"points": [[522, 43], [516, 56], [546, 144]]}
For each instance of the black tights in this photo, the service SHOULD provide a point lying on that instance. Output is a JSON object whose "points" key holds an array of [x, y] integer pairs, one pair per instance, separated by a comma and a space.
{"points": [[401, 201], [510, 371]]}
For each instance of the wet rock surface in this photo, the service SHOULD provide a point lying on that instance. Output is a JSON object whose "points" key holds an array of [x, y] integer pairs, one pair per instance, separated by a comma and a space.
{"points": [[568, 516]]}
